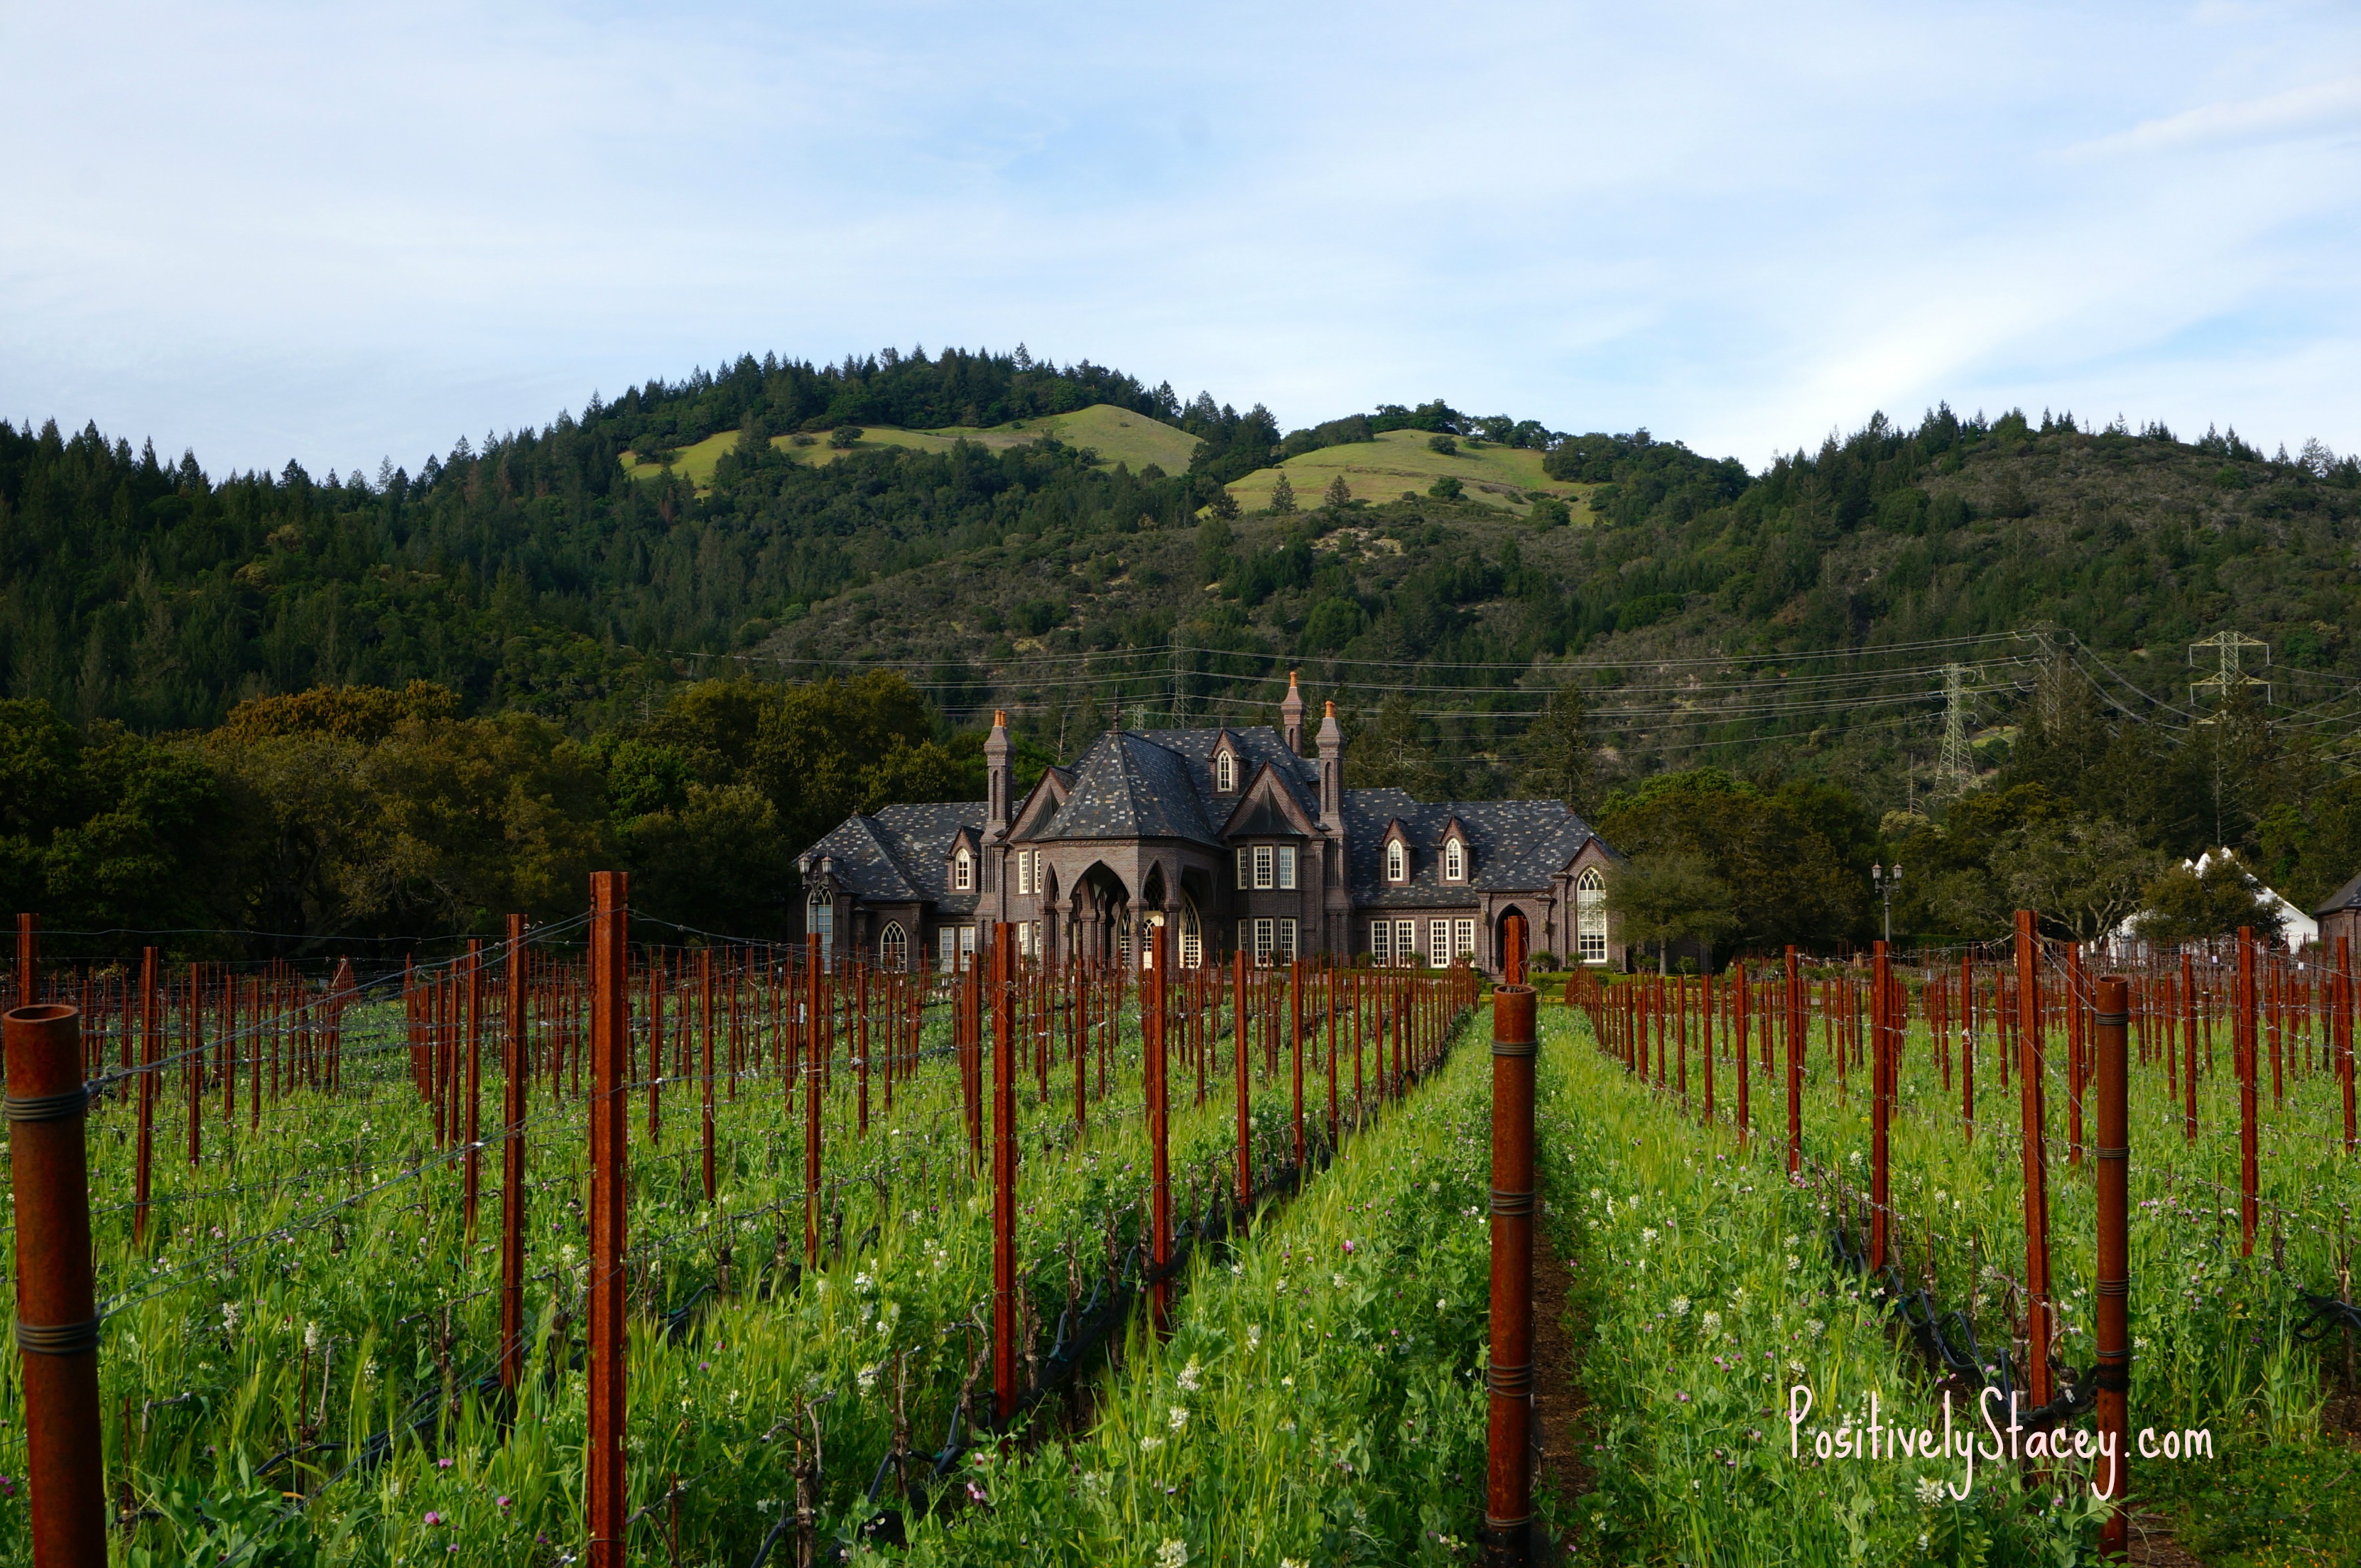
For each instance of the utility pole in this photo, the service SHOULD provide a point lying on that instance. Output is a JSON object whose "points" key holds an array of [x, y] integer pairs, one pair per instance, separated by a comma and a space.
{"points": [[1958, 764]]}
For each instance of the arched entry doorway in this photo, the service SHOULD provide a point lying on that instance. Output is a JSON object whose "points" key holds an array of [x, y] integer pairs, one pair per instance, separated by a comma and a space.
{"points": [[1515, 946], [1099, 929]]}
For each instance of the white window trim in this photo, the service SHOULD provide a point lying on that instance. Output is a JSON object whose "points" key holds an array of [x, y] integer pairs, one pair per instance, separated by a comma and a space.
{"points": [[1024, 871], [1226, 771], [1405, 942], [1454, 860], [1245, 862], [1287, 866], [893, 947], [1284, 948], [1463, 940], [1590, 915], [1382, 943], [962, 870], [1264, 932], [1397, 861], [1264, 873]]}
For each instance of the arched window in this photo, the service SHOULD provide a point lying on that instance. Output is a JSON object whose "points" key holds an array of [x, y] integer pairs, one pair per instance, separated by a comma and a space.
{"points": [[822, 924], [894, 947], [962, 870], [1455, 861], [1590, 915], [1226, 771], [1396, 861]]}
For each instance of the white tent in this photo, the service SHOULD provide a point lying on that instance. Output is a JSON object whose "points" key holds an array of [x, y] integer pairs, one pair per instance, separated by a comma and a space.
{"points": [[2296, 928]]}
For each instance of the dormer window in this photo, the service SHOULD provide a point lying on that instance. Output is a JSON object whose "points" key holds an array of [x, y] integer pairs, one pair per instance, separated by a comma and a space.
{"points": [[962, 870], [1226, 771], [1454, 860], [1396, 861]]}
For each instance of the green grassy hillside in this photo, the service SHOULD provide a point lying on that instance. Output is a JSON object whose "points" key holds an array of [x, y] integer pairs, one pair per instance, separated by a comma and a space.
{"points": [[1116, 435], [1404, 460]]}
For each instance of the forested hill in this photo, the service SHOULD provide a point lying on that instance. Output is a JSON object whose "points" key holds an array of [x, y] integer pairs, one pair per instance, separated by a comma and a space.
{"points": [[529, 573]]}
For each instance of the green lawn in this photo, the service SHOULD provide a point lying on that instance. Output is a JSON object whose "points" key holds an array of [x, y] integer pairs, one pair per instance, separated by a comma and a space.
{"points": [[1118, 436], [1400, 460]]}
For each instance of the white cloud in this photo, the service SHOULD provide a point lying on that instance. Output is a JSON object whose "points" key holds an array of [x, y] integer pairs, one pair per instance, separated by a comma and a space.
{"points": [[2320, 106], [267, 229]]}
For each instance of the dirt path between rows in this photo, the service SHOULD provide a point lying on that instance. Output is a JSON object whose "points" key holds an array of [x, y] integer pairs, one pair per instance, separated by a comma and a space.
{"points": [[1560, 1409]]}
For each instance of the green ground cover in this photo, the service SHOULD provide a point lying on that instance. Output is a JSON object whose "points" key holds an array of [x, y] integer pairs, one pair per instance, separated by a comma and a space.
{"points": [[310, 1288], [1117, 436], [1710, 1290], [1401, 460], [1321, 1399]]}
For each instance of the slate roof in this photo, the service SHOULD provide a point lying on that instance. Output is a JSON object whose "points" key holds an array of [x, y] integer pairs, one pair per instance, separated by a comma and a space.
{"points": [[1516, 845], [2346, 897], [902, 853], [1256, 744], [1128, 785]]}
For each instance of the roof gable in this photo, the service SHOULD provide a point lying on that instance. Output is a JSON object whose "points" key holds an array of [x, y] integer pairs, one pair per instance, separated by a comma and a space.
{"points": [[1267, 808], [1128, 786]]}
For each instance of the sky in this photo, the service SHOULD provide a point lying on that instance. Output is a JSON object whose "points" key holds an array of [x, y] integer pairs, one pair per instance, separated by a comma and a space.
{"points": [[341, 233]]}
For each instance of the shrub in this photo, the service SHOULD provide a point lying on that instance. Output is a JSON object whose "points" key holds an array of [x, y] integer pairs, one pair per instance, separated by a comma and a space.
{"points": [[1448, 488], [843, 436], [1441, 443]]}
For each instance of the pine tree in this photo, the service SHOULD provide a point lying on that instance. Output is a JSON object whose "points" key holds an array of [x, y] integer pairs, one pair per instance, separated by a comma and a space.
{"points": [[1339, 495], [1282, 497]]}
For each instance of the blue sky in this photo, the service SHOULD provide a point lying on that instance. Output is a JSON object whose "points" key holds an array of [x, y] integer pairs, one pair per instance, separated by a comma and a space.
{"points": [[336, 233]]}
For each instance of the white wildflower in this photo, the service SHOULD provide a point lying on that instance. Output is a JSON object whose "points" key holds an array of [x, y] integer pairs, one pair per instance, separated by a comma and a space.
{"points": [[1680, 1306], [1930, 1491], [1172, 1554], [1254, 1335], [1648, 1236], [1179, 1418], [1188, 1377], [311, 1336], [1712, 1321], [1150, 1443]]}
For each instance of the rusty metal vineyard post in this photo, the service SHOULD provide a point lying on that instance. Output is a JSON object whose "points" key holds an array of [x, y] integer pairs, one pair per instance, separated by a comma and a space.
{"points": [[1795, 1068], [475, 1156], [57, 1313], [610, 1126], [1246, 1122], [2342, 989], [1881, 1108], [1159, 1165], [2112, 1326], [513, 1083], [1005, 1306], [2243, 1053], [1508, 1373], [29, 959], [146, 1153], [2038, 1319]]}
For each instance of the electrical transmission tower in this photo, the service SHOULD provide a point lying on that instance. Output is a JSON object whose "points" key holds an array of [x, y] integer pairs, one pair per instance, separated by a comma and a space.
{"points": [[1176, 684], [1958, 766], [2229, 674]]}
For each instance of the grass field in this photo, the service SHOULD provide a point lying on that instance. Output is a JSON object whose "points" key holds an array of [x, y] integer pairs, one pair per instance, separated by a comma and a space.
{"points": [[1118, 436], [1400, 460]]}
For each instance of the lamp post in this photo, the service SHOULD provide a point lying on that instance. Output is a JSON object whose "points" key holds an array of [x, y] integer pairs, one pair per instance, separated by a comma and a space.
{"points": [[1885, 880]]}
